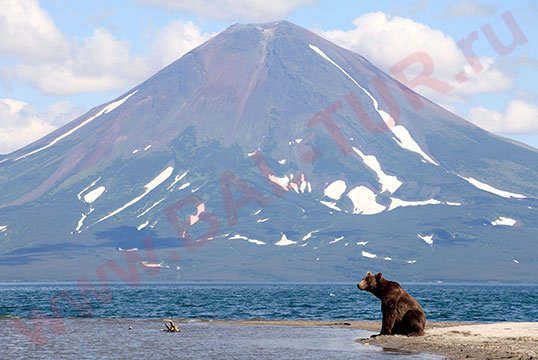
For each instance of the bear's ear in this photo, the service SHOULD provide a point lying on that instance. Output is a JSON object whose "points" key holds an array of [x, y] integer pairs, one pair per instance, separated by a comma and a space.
{"points": [[378, 276], [368, 273]]}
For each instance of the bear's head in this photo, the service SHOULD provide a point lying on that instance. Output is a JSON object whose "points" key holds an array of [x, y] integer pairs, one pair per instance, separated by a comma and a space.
{"points": [[370, 282]]}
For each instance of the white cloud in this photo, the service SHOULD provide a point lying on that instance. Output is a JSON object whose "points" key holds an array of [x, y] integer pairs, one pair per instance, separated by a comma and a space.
{"points": [[167, 46], [99, 62], [29, 32], [233, 10], [520, 117], [36, 52], [388, 40], [21, 124], [470, 8]]}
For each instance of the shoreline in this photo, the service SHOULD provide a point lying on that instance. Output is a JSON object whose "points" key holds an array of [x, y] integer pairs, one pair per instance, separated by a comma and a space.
{"points": [[454, 340], [504, 340]]}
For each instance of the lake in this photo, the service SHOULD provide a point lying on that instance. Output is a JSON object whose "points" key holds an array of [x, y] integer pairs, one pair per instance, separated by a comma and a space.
{"points": [[91, 321]]}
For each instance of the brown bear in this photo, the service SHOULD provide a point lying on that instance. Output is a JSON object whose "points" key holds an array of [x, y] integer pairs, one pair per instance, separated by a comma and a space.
{"points": [[402, 314]]}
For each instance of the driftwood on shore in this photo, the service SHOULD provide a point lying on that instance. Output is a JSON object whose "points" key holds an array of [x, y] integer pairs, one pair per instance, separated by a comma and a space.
{"points": [[172, 328]]}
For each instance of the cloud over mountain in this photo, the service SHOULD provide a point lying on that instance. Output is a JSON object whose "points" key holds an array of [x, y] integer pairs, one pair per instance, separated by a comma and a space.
{"points": [[56, 64], [388, 40], [243, 10]]}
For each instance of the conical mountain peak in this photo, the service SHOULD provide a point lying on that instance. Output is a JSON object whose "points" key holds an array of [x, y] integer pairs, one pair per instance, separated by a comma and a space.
{"points": [[274, 138]]}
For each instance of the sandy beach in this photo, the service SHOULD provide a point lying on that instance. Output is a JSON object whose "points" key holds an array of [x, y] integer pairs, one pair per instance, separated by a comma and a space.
{"points": [[477, 341], [507, 340]]}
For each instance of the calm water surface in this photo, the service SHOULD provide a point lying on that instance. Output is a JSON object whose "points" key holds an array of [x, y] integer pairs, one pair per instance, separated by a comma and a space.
{"points": [[110, 339], [64, 320]]}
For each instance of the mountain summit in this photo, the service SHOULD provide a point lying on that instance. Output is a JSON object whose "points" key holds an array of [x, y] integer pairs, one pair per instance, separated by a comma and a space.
{"points": [[269, 153]]}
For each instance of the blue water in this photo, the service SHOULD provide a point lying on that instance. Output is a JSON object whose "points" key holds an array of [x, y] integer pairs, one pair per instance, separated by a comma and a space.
{"points": [[65, 321], [441, 302]]}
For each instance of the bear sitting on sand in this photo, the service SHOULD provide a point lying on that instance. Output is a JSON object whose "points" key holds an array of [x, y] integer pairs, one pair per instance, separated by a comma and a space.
{"points": [[402, 314]]}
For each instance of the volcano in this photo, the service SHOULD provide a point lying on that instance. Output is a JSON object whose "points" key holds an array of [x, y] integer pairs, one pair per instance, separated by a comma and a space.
{"points": [[269, 154]]}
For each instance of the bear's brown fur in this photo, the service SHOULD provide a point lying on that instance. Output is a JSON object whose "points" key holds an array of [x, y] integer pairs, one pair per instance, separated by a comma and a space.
{"points": [[402, 314]]}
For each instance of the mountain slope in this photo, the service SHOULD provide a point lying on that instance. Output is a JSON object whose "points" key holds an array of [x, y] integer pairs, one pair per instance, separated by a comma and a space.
{"points": [[269, 153]]}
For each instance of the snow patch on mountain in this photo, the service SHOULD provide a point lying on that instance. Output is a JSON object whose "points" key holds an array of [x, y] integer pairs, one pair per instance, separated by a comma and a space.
{"points": [[105, 110], [241, 237], [336, 240], [330, 205], [79, 195], [364, 201], [309, 235], [284, 241], [158, 180], [3, 228], [286, 183], [252, 153], [93, 195], [283, 182], [406, 141], [402, 136], [83, 218], [142, 226], [151, 207], [296, 141], [428, 239], [88, 198], [396, 203], [304, 186], [504, 221], [388, 182], [177, 179], [257, 242], [335, 189], [485, 187], [366, 254]]}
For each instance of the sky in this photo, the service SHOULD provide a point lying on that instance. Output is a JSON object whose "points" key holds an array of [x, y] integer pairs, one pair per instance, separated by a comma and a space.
{"points": [[60, 58]]}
